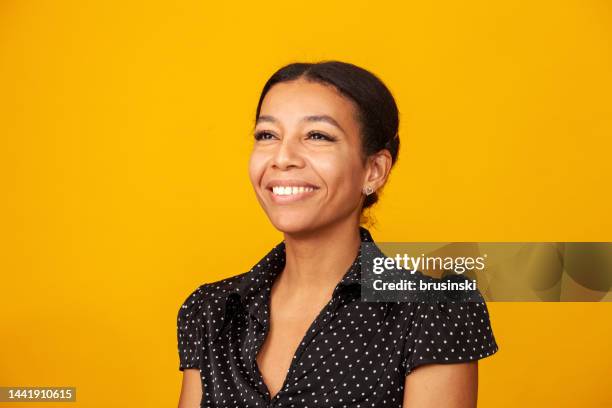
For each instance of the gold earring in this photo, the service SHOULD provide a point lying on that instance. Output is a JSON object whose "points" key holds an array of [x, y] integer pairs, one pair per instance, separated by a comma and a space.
{"points": [[368, 190]]}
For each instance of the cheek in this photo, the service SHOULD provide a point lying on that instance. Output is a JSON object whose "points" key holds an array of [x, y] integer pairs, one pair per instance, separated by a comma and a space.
{"points": [[342, 175], [256, 168]]}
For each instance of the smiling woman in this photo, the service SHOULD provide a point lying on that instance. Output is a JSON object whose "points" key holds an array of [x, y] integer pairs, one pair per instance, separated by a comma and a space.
{"points": [[292, 331], [333, 117]]}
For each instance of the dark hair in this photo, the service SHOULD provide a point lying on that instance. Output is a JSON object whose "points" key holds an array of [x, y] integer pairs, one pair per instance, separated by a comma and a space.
{"points": [[377, 111]]}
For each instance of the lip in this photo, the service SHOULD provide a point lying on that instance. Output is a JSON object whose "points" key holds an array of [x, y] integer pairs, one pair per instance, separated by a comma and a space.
{"points": [[292, 198]]}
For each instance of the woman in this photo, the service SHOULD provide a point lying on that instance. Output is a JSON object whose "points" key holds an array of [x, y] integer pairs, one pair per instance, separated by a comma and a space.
{"points": [[292, 331]]}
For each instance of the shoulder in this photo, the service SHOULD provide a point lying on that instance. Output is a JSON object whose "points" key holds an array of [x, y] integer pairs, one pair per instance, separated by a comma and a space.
{"points": [[446, 332], [448, 314], [205, 296]]}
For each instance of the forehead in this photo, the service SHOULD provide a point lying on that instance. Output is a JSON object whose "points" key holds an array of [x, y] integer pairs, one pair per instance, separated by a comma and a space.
{"points": [[289, 101]]}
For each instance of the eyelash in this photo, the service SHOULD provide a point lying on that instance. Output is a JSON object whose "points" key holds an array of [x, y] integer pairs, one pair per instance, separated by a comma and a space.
{"points": [[259, 135]]}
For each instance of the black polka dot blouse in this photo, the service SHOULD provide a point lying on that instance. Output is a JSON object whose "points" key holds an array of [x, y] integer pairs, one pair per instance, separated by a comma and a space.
{"points": [[355, 354]]}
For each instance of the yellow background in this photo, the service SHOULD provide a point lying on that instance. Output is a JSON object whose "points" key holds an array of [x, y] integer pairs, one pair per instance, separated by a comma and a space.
{"points": [[125, 129]]}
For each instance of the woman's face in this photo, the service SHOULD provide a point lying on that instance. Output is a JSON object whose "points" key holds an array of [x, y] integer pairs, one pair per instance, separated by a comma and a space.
{"points": [[306, 164]]}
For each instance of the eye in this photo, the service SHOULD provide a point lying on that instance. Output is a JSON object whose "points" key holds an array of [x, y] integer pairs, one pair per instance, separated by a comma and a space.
{"points": [[320, 136], [263, 135]]}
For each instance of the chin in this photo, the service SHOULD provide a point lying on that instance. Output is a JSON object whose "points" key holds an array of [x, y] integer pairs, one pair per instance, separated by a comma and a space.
{"points": [[292, 223]]}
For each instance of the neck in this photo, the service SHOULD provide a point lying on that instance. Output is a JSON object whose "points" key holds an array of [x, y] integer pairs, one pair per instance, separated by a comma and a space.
{"points": [[316, 261]]}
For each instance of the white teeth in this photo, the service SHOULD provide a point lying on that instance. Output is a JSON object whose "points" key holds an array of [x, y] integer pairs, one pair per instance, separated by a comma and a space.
{"points": [[290, 190]]}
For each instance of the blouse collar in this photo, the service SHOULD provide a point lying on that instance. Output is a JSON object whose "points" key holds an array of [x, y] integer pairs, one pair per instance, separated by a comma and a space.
{"points": [[255, 285]]}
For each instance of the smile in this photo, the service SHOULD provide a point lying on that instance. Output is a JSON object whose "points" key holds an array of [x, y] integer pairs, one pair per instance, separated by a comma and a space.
{"points": [[291, 190], [290, 194]]}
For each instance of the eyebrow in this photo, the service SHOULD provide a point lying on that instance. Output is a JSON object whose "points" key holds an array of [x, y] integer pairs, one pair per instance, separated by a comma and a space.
{"points": [[310, 118]]}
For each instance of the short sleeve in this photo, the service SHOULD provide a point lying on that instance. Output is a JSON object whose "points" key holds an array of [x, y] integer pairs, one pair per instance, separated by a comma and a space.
{"points": [[448, 332], [189, 325]]}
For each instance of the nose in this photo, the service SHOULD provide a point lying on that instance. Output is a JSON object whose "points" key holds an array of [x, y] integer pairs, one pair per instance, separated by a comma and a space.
{"points": [[287, 154]]}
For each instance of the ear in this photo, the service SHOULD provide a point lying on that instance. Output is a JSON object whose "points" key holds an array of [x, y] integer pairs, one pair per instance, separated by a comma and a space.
{"points": [[377, 169]]}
